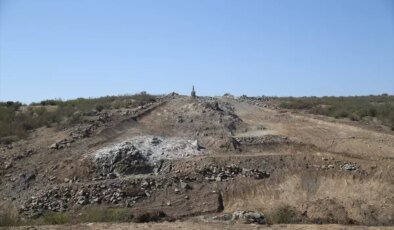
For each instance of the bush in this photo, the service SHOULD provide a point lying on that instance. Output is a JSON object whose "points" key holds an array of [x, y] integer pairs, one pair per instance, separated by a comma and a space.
{"points": [[354, 117], [150, 217], [341, 114], [99, 108], [284, 214]]}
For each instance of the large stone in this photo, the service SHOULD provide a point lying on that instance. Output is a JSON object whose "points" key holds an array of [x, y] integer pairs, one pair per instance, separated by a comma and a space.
{"points": [[82, 200], [53, 146]]}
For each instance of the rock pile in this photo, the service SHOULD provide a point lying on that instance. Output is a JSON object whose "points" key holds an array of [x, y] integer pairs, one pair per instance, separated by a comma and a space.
{"points": [[262, 101], [60, 199], [247, 217], [218, 173], [53, 200], [225, 110], [124, 159], [83, 131], [143, 154]]}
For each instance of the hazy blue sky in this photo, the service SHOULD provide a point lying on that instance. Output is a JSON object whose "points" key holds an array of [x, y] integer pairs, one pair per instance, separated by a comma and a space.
{"points": [[81, 48]]}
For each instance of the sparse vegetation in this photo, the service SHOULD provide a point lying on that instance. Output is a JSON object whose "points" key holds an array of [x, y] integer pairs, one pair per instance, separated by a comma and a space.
{"points": [[359, 108], [16, 119], [97, 214], [106, 215]]}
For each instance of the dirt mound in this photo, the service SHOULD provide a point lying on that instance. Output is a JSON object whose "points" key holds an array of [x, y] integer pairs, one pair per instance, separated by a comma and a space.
{"points": [[209, 120]]}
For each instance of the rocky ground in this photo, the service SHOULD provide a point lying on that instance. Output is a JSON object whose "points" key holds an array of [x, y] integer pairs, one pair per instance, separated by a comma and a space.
{"points": [[211, 162]]}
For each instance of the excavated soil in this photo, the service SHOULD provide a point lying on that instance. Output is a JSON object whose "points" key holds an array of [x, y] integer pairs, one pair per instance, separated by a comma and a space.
{"points": [[195, 159]]}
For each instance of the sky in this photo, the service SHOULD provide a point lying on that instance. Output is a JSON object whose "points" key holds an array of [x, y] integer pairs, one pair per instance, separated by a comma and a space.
{"points": [[89, 48]]}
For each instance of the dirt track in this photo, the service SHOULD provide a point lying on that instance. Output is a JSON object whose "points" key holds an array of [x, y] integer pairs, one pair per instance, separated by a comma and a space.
{"points": [[328, 136]]}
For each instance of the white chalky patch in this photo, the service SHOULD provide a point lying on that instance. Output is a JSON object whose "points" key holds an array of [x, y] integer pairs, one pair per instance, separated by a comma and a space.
{"points": [[154, 148]]}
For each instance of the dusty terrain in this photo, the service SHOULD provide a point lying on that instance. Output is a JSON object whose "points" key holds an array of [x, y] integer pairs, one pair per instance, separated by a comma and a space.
{"points": [[203, 160]]}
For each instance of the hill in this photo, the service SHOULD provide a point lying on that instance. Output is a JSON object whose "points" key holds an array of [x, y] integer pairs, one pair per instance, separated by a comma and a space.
{"points": [[209, 160]]}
